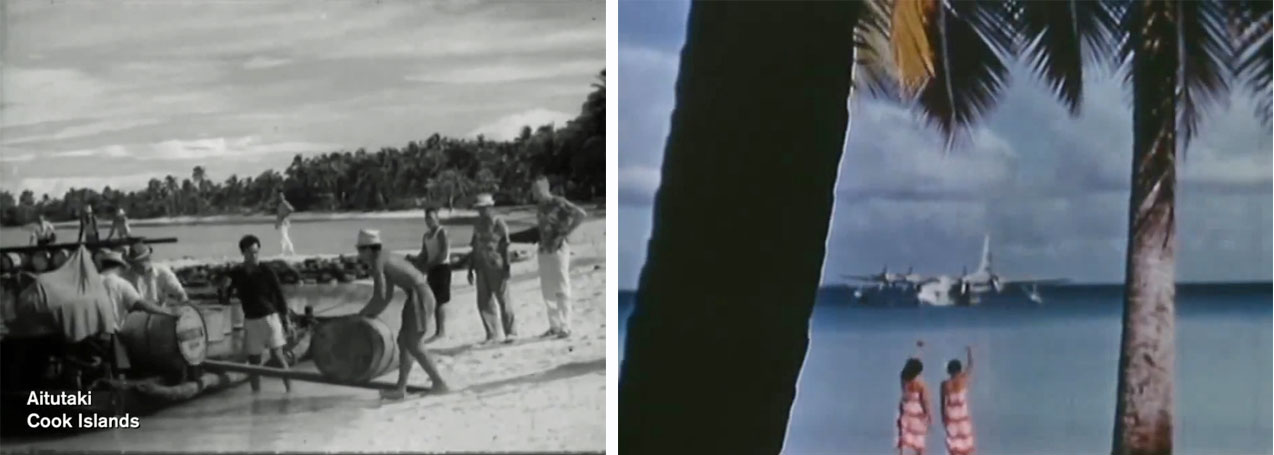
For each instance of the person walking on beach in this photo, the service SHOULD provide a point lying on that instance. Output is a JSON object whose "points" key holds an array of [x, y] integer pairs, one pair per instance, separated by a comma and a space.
{"points": [[913, 410], [265, 309], [557, 219], [390, 271], [43, 232], [156, 282], [283, 221], [490, 260], [88, 226], [120, 226], [955, 406], [434, 261]]}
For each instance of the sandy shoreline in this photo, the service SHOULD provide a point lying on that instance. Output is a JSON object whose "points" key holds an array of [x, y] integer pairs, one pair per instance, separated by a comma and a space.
{"points": [[535, 395], [104, 219]]}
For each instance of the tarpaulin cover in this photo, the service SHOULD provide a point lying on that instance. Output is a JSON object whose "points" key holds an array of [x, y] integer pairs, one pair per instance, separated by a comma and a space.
{"points": [[71, 300]]}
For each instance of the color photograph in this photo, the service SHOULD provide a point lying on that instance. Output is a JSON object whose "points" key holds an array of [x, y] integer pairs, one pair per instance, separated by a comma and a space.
{"points": [[278, 226], [949, 227]]}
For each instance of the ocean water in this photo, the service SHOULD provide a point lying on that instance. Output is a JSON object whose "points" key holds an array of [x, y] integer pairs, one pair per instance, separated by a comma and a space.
{"points": [[308, 237], [1044, 376]]}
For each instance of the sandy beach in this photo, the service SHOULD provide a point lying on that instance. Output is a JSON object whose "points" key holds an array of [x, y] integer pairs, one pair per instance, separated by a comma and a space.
{"points": [[534, 395]]}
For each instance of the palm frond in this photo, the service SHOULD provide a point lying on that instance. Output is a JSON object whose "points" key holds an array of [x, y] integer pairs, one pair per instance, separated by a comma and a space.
{"points": [[913, 53], [972, 39], [1250, 25], [875, 70], [1186, 41], [1059, 36], [1206, 51]]}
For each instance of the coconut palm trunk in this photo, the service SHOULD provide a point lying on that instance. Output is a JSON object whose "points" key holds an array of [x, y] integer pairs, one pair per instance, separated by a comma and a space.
{"points": [[720, 327]]}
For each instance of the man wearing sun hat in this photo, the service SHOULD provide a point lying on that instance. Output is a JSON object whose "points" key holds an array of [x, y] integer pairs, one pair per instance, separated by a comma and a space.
{"points": [[490, 260], [122, 293], [389, 271], [156, 282]]}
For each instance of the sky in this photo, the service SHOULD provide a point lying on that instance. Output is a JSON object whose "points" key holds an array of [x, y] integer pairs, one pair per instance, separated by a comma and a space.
{"points": [[1050, 189], [115, 93]]}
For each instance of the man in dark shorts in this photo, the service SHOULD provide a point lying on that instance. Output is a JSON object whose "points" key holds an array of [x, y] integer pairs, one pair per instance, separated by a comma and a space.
{"points": [[434, 261], [265, 309]]}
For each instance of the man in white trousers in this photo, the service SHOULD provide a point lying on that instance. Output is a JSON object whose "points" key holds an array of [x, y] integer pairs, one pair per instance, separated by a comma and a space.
{"points": [[558, 218], [282, 222]]}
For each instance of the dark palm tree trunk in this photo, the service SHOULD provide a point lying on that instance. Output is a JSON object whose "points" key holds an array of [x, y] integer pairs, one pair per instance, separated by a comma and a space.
{"points": [[1144, 407], [720, 327]]}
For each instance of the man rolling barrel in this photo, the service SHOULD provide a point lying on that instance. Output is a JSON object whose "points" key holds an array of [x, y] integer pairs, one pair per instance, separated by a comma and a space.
{"points": [[265, 310], [389, 271]]}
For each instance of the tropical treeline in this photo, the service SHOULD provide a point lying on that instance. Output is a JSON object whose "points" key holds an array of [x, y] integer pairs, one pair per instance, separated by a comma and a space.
{"points": [[437, 171]]}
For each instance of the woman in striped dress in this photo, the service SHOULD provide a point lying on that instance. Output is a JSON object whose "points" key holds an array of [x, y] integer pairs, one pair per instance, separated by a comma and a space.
{"points": [[913, 409], [955, 407]]}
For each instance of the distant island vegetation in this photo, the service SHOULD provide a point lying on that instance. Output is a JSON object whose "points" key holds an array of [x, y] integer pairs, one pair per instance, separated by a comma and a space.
{"points": [[438, 171]]}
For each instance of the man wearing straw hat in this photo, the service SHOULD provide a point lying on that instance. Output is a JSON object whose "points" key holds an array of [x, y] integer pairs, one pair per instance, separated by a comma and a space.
{"points": [[156, 282], [557, 218], [124, 298], [390, 271], [490, 260]]}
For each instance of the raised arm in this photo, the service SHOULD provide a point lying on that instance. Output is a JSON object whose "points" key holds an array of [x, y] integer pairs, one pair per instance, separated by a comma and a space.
{"points": [[968, 357]]}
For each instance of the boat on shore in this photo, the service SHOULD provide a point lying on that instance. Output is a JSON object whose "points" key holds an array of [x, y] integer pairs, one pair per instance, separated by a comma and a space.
{"points": [[54, 342]]}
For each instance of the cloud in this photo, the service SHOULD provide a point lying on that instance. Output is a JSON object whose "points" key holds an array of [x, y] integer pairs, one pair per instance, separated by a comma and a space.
{"points": [[235, 86], [637, 185], [504, 72], [56, 187], [261, 62], [510, 127]]}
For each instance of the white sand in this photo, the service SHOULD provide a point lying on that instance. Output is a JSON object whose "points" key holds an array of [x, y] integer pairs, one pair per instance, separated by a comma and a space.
{"points": [[542, 395]]}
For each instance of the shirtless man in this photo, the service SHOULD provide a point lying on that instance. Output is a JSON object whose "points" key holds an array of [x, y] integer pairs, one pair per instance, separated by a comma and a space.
{"points": [[390, 271], [120, 226]]}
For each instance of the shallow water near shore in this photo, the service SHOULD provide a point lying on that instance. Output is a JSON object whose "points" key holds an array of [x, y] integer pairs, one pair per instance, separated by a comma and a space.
{"points": [[1044, 378]]}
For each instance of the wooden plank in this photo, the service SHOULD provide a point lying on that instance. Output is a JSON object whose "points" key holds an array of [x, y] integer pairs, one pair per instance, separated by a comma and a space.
{"points": [[298, 375], [97, 244]]}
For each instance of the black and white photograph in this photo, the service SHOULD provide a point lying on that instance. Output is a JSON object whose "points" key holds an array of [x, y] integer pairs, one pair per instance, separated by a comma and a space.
{"points": [[276, 226]]}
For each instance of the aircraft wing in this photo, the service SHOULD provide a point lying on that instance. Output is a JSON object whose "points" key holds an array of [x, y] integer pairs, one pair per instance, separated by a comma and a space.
{"points": [[1032, 281], [862, 278]]}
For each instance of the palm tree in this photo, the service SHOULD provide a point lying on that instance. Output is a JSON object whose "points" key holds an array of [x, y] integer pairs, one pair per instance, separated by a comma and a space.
{"points": [[711, 362], [947, 58]]}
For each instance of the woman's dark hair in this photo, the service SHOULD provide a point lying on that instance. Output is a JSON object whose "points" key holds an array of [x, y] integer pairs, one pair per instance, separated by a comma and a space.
{"points": [[911, 369], [247, 241], [375, 248], [433, 210], [954, 367]]}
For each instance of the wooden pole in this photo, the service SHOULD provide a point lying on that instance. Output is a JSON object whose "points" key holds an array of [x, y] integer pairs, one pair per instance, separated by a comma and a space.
{"points": [[307, 376]]}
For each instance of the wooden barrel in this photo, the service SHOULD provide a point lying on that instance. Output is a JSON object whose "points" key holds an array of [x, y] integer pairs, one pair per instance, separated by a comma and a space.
{"points": [[353, 349], [58, 258], [164, 344], [41, 261], [11, 262]]}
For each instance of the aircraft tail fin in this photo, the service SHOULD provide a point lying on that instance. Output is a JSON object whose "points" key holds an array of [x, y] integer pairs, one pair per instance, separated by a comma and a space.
{"points": [[985, 265]]}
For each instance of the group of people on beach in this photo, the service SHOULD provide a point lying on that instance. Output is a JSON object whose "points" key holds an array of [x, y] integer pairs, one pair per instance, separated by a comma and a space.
{"points": [[426, 282], [43, 233], [914, 414]]}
